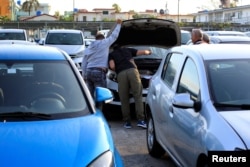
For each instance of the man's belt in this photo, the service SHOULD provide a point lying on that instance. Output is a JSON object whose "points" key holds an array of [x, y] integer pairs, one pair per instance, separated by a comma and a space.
{"points": [[99, 69]]}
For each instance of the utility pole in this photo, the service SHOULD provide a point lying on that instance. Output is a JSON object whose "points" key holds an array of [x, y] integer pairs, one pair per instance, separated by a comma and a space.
{"points": [[73, 13], [178, 12]]}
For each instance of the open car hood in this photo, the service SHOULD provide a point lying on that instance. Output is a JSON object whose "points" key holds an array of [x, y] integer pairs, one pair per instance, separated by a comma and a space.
{"points": [[148, 31]]}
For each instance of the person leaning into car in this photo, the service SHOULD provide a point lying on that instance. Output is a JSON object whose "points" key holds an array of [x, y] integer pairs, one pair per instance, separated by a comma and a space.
{"points": [[95, 60], [121, 61]]}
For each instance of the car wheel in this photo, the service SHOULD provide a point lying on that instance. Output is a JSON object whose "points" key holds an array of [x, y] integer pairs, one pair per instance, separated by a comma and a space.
{"points": [[154, 148]]}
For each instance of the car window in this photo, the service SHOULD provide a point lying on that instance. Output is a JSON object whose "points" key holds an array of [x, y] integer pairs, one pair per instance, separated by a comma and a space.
{"points": [[64, 39], [12, 36], [172, 64], [189, 80], [40, 86], [185, 37], [229, 81]]}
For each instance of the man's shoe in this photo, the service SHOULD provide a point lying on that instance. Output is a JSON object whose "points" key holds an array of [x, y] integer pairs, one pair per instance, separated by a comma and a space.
{"points": [[127, 125], [141, 124]]}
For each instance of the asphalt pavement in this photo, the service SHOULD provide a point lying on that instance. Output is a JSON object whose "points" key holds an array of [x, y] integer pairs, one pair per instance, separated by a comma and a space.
{"points": [[131, 143]]}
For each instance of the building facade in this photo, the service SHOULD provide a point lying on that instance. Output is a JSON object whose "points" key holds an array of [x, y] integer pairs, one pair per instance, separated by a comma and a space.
{"points": [[109, 14], [7, 9], [238, 15]]}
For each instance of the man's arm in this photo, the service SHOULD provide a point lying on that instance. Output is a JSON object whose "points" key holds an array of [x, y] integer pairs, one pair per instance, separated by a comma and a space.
{"points": [[114, 35], [143, 52], [112, 64]]}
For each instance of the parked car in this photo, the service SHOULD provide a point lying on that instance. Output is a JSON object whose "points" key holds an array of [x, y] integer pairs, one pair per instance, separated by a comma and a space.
{"points": [[104, 32], [185, 36], [199, 101], [226, 40], [48, 117], [247, 33], [155, 34], [71, 41], [88, 41], [225, 33], [41, 41], [229, 39], [13, 34], [17, 42]]}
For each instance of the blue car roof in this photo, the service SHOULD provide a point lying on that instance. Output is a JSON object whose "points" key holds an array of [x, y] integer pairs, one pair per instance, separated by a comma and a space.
{"points": [[30, 52]]}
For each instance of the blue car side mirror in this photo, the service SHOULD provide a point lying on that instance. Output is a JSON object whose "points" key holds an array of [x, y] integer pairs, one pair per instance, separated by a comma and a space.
{"points": [[103, 94]]}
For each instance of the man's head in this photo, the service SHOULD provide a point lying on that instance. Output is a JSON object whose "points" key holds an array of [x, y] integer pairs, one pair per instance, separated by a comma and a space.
{"points": [[196, 35], [99, 36]]}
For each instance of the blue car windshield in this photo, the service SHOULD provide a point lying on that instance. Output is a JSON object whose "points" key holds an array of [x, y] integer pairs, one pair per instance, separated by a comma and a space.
{"points": [[229, 81], [46, 87]]}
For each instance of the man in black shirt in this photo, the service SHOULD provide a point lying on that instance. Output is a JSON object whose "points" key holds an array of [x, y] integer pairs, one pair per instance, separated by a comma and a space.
{"points": [[121, 61]]}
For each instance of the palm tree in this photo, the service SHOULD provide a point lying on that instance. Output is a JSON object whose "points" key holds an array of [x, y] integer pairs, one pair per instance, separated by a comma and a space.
{"points": [[116, 7], [30, 5]]}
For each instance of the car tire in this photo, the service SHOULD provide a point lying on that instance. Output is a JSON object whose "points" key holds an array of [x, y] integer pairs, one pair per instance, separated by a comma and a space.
{"points": [[154, 148]]}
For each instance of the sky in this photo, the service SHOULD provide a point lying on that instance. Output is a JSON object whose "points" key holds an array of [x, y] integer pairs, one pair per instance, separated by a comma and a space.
{"points": [[185, 6]]}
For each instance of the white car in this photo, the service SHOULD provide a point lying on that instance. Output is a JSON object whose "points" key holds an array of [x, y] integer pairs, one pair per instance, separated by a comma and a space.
{"points": [[198, 102], [13, 34], [88, 41], [70, 41], [225, 33]]}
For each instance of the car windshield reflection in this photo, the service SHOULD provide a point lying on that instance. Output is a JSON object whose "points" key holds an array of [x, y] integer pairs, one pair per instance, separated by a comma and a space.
{"points": [[229, 81], [40, 87]]}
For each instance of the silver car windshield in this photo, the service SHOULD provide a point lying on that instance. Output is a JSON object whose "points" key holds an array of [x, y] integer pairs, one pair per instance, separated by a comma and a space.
{"points": [[48, 87], [229, 81]]}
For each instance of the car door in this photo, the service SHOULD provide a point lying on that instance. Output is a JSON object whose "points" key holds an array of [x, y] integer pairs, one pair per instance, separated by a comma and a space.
{"points": [[184, 123], [163, 95]]}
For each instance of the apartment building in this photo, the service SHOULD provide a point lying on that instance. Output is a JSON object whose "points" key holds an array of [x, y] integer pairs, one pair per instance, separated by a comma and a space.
{"points": [[238, 15]]}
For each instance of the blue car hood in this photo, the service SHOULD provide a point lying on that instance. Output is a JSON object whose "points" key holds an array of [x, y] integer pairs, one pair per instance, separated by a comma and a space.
{"points": [[56, 143], [239, 121]]}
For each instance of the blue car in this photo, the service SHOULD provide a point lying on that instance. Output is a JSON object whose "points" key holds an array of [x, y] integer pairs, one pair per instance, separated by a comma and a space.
{"points": [[48, 117]]}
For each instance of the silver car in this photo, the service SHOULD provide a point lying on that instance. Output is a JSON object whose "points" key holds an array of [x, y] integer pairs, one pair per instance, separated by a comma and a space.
{"points": [[199, 101]]}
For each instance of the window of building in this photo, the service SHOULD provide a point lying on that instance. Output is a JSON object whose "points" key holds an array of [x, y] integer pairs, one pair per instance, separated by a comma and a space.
{"points": [[105, 12], [84, 18]]}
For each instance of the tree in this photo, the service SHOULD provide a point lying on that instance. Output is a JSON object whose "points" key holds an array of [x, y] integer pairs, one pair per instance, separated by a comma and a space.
{"points": [[116, 7], [57, 14], [30, 5]]}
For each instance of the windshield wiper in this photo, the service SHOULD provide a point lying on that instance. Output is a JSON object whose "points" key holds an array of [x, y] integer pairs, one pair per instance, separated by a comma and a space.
{"points": [[25, 115], [241, 106]]}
